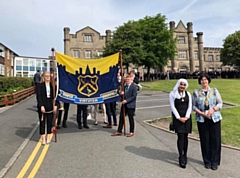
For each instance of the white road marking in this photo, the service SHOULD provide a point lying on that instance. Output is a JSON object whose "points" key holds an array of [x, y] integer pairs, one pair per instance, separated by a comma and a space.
{"points": [[153, 107], [151, 100], [142, 96]]}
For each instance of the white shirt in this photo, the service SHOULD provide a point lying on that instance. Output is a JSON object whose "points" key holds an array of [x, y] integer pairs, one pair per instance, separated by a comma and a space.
{"points": [[172, 105], [48, 91]]}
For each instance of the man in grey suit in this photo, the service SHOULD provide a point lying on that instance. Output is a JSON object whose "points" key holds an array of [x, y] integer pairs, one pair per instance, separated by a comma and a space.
{"points": [[129, 105]]}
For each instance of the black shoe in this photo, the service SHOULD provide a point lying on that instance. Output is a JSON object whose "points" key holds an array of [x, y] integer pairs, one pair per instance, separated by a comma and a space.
{"points": [[207, 166], [58, 127], [182, 163], [86, 126], [214, 167], [79, 127], [64, 124], [185, 159]]}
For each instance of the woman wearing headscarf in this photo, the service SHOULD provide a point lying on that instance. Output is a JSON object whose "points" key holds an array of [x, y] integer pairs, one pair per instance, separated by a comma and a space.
{"points": [[181, 106], [207, 103]]}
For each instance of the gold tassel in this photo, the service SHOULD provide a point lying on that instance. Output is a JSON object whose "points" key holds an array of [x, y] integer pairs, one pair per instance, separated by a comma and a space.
{"points": [[42, 117]]}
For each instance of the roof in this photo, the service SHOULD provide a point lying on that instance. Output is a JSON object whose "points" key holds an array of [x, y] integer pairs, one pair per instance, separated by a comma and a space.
{"points": [[89, 28], [34, 57], [9, 49]]}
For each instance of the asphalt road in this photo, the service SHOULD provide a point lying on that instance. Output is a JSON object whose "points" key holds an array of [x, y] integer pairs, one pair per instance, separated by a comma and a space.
{"points": [[94, 153]]}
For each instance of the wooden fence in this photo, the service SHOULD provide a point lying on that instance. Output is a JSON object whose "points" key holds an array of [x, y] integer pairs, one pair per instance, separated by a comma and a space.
{"points": [[10, 99]]}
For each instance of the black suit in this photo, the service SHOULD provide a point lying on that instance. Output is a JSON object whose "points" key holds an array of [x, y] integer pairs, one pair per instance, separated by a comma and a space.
{"points": [[47, 102], [130, 97]]}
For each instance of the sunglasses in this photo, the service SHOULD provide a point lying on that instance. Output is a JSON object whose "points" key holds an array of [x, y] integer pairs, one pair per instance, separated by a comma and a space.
{"points": [[183, 84]]}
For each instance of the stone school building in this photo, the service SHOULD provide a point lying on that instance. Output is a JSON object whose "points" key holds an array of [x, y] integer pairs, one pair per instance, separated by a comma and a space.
{"points": [[191, 54]]}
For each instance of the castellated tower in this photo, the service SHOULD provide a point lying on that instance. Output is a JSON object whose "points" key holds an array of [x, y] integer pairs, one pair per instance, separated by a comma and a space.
{"points": [[108, 35], [173, 63], [200, 50], [66, 40], [190, 46], [190, 54]]}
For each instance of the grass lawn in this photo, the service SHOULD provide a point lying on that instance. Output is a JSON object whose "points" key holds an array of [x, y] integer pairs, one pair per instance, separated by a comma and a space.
{"points": [[230, 92]]}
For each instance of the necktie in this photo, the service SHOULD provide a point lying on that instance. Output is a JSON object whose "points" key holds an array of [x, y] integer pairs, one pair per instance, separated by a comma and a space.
{"points": [[126, 88]]}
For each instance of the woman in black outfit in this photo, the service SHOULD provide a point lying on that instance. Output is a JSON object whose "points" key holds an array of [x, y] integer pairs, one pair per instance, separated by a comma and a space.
{"points": [[181, 106], [45, 103]]}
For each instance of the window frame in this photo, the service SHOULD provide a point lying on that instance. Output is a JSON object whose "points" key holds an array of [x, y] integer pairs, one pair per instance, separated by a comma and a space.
{"points": [[2, 52], [181, 40], [195, 55], [99, 53], [2, 69], [182, 54], [88, 54], [210, 57], [76, 52], [88, 38], [8, 54]]}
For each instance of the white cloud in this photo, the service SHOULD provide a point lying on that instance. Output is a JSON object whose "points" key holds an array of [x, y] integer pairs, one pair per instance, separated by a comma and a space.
{"points": [[32, 27], [188, 6]]}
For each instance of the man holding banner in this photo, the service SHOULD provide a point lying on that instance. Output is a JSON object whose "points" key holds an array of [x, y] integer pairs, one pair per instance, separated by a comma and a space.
{"points": [[128, 106]]}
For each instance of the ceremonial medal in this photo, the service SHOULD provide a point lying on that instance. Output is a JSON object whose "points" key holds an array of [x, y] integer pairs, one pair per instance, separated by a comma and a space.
{"points": [[182, 100], [206, 102]]}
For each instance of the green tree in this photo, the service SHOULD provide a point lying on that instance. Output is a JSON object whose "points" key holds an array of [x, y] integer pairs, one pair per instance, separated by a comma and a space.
{"points": [[125, 38], [230, 53], [146, 42], [158, 44]]}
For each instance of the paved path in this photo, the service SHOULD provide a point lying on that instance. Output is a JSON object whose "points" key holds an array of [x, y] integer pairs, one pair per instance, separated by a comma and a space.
{"points": [[94, 153]]}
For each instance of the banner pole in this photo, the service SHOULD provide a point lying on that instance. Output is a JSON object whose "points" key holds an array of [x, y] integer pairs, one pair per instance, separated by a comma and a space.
{"points": [[54, 94], [122, 88]]}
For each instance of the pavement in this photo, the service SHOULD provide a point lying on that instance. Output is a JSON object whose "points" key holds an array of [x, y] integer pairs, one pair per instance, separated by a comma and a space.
{"points": [[94, 153]]}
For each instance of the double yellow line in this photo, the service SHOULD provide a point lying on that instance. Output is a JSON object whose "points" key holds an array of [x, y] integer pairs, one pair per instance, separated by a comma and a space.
{"points": [[32, 157]]}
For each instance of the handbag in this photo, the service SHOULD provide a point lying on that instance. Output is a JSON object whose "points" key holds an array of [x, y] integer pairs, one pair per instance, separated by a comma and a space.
{"points": [[171, 126]]}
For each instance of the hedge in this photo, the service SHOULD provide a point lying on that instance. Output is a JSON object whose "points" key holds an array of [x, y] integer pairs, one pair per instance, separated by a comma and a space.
{"points": [[13, 84]]}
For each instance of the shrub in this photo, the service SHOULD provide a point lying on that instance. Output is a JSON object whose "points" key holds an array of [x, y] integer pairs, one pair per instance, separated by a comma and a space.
{"points": [[12, 90], [13, 83]]}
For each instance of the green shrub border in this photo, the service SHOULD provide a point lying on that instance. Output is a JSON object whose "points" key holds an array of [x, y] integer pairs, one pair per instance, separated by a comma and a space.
{"points": [[10, 85]]}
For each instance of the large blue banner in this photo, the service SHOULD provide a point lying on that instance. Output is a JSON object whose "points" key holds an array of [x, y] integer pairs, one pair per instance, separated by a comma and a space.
{"points": [[87, 81]]}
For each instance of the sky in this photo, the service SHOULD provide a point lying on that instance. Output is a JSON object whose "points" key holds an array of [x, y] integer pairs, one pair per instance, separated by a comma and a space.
{"points": [[32, 27]]}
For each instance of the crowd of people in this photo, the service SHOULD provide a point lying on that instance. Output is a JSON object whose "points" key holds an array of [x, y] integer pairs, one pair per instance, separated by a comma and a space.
{"points": [[205, 101], [226, 74]]}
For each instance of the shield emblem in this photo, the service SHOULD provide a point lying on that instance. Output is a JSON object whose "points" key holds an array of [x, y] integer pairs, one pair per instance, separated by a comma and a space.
{"points": [[87, 85]]}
